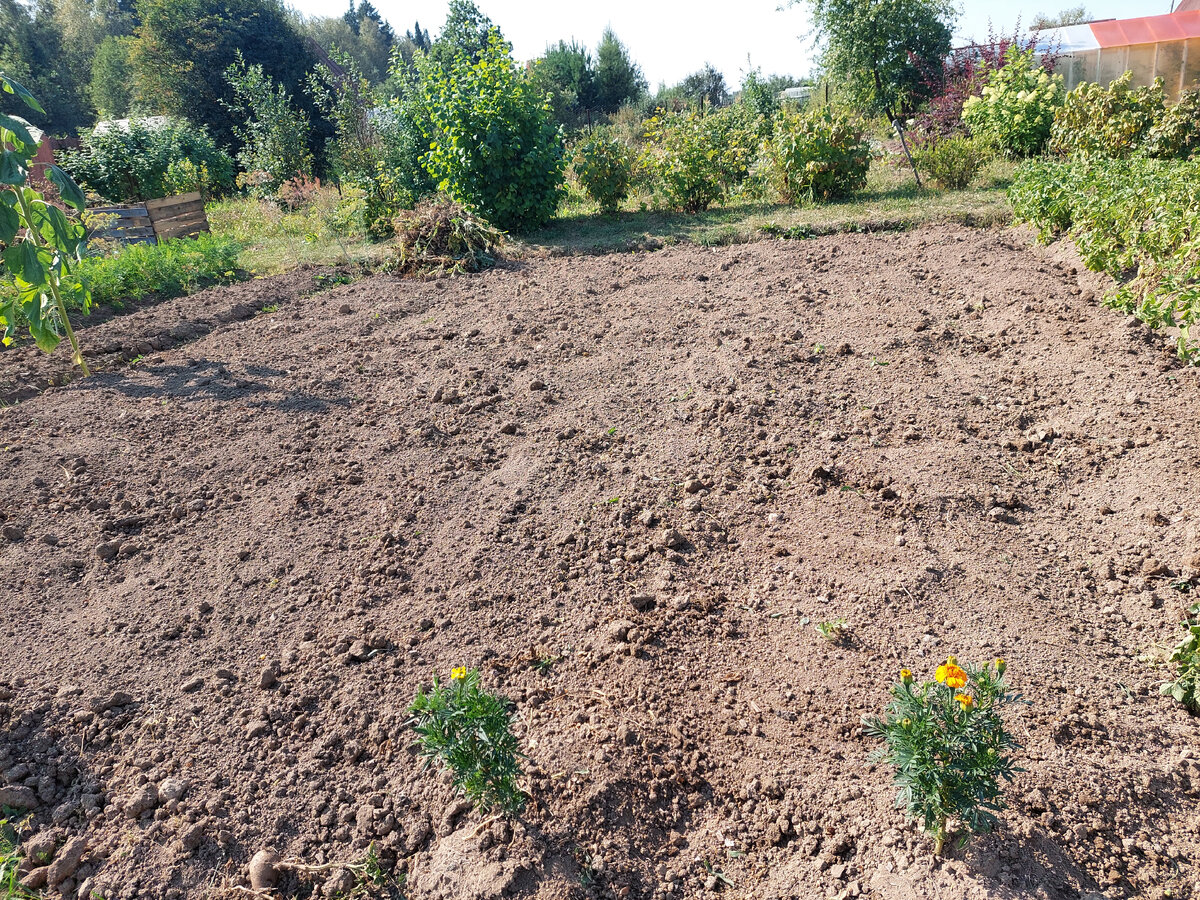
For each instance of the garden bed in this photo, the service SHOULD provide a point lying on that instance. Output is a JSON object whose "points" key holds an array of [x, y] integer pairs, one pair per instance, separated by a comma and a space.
{"points": [[626, 488]]}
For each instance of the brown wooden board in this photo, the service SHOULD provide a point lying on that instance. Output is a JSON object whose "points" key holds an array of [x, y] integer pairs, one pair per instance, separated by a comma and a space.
{"points": [[182, 230], [192, 215], [120, 210], [154, 205]]}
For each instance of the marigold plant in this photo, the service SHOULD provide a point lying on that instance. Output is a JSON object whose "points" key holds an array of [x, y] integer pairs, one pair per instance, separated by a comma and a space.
{"points": [[469, 732], [947, 740]]}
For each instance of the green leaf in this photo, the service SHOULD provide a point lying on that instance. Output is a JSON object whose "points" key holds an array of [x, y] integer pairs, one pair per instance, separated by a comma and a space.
{"points": [[12, 170], [11, 87], [24, 261], [67, 188], [19, 133], [10, 223]]}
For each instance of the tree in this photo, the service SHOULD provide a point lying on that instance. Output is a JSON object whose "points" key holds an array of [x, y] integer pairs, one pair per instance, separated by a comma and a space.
{"points": [[111, 77], [1076, 15], [618, 79], [878, 50], [366, 42], [183, 48], [466, 31], [273, 132], [705, 88], [419, 38], [33, 52], [565, 72]]}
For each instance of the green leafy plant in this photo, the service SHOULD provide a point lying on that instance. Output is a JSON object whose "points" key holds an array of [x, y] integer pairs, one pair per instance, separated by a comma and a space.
{"points": [[1112, 121], [10, 864], [42, 245], [604, 166], [833, 630], [1135, 219], [1177, 134], [698, 158], [469, 732], [130, 164], [951, 162], [493, 145], [1185, 657], [273, 132], [818, 155], [439, 235], [947, 740], [1016, 109]]}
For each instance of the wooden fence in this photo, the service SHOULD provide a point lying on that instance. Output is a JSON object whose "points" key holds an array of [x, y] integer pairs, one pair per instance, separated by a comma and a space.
{"points": [[154, 220]]}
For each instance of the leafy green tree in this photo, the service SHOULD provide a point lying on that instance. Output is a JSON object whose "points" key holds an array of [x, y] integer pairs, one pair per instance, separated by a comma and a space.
{"points": [[1076, 15], [705, 88], [112, 76], [184, 47], [467, 30], [493, 145], [34, 53], [878, 50], [273, 133], [618, 78], [418, 38]]}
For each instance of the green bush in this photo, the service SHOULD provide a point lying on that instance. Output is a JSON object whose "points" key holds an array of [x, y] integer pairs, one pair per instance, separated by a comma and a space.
{"points": [[604, 166], [1135, 219], [951, 162], [128, 165], [819, 155], [699, 158], [1177, 135], [273, 132], [1113, 121], [493, 144], [1017, 108]]}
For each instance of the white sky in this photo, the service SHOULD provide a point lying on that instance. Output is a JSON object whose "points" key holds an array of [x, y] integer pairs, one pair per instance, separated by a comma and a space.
{"points": [[671, 39]]}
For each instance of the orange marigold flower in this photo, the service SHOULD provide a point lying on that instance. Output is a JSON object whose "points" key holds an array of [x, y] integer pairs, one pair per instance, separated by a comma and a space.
{"points": [[951, 675], [966, 701]]}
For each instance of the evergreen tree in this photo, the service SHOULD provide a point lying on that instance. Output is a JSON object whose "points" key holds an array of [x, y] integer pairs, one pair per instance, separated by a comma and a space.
{"points": [[618, 78]]}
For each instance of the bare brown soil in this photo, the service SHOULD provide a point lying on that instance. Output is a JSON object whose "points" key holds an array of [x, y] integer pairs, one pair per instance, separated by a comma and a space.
{"points": [[625, 487]]}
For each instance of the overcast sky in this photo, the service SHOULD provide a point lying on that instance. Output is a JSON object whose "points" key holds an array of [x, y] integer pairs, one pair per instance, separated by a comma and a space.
{"points": [[671, 39]]}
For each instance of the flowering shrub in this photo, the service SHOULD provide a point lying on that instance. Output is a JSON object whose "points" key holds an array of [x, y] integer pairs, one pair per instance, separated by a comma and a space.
{"points": [[469, 731], [818, 156], [951, 162], [946, 739], [1113, 121], [1016, 108], [604, 167]]}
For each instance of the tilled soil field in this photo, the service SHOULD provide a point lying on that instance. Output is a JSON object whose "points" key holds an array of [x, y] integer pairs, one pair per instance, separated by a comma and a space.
{"points": [[625, 488]]}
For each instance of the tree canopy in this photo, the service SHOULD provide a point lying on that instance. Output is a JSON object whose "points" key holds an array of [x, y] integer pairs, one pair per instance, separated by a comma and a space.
{"points": [[878, 51], [1076, 15], [618, 78]]}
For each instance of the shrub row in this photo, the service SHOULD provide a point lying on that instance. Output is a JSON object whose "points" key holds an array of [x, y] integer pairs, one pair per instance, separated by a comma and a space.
{"points": [[1136, 219]]}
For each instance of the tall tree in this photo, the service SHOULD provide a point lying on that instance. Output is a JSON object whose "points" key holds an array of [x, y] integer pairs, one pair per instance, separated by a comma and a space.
{"points": [[706, 87], [33, 52], [1076, 15], [184, 47], [419, 38], [466, 31], [112, 76], [878, 50], [565, 72], [618, 78]]}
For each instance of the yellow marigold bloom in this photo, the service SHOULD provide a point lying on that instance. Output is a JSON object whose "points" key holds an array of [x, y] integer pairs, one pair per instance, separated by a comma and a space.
{"points": [[952, 660], [906, 676], [458, 673], [966, 701], [1001, 665], [906, 722], [951, 675]]}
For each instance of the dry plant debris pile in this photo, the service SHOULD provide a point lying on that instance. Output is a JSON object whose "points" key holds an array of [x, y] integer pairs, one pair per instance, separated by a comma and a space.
{"points": [[624, 488]]}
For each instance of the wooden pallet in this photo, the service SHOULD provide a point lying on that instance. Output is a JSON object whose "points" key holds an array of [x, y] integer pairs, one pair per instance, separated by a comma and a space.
{"points": [[155, 220]]}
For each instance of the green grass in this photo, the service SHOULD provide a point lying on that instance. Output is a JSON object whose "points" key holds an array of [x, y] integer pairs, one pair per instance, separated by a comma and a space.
{"points": [[10, 861], [890, 201], [274, 239]]}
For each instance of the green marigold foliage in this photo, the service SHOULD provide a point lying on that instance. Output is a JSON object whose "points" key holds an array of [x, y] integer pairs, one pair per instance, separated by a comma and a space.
{"points": [[1177, 135], [819, 155], [469, 732], [1186, 660], [1136, 219], [1113, 121], [1018, 104], [947, 740], [699, 158], [951, 162], [127, 165], [604, 166], [493, 146]]}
